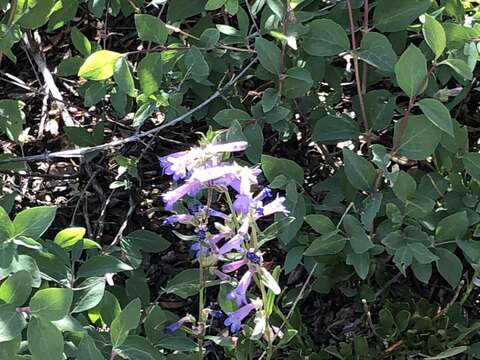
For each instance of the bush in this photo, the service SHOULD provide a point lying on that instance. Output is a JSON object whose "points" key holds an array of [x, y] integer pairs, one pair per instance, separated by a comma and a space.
{"points": [[361, 115]]}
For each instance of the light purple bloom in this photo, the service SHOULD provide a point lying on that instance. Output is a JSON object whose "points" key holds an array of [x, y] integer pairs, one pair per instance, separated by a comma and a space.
{"points": [[239, 294], [234, 320], [233, 266], [235, 146], [170, 329], [272, 207], [234, 243], [243, 203], [172, 196], [181, 218], [177, 164], [181, 164]]}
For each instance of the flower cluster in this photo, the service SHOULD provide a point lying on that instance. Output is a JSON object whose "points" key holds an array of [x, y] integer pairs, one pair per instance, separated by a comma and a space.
{"points": [[226, 241]]}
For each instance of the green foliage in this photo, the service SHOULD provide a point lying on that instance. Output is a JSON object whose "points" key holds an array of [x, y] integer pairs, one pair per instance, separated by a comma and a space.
{"points": [[371, 136]]}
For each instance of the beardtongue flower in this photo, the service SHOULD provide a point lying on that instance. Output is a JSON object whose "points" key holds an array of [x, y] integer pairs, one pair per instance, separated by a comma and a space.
{"points": [[239, 294], [180, 218], [243, 203], [275, 206], [234, 319], [170, 329], [172, 196], [180, 164]]}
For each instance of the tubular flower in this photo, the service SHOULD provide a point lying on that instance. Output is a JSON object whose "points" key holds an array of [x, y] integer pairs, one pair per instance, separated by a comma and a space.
{"points": [[180, 164], [234, 319], [170, 329], [239, 294], [181, 218]]}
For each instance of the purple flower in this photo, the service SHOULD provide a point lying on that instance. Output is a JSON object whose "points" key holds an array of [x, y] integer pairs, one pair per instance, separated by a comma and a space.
{"points": [[181, 164], [181, 218], [272, 207], [239, 294], [235, 146], [217, 314], [177, 164], [170, 329], [243, 203], [234, 243], [234, 320], [233, 266], [172, 196]]}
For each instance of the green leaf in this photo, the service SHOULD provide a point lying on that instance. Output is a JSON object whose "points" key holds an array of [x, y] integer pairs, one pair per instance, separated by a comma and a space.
{"points": [[359, 171], [196, 63], [421, 253], [404, 186], [214, 4], [147, 241], [11, 322], [227, 116], [325, 38], [359, 240], [268, 54], [87, 350], [471, 161], [320, 223], [272, 167], [102, 264], [63, 12], [124, 322], [448, 354], [7, 230], [184, 284], [411, 71], [69, 66], [8, 349], [293, 258], [376, 50], [88, 294], [123, 77], [422, 272], [150, 71], [81, 42], [333, 129], [210, 38], [34, 222], [361, 264], [452, 227], [139, 348], [37, 15], [151, 28], [45, 341], [52, 303], [438, 114], [328, 244], [143, 112], [460, 67], [178, 343], [16, 289], [100, 65], [297, 82], [12, 118], [420, 138], [434, 35], [449, 266], [396, 16], [69, 236]]}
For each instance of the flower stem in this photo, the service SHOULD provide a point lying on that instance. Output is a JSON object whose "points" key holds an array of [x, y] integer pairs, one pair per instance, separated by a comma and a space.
{"points": [[201, 287], [263, 291]]}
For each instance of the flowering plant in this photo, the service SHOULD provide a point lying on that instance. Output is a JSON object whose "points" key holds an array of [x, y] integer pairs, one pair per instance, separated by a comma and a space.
{"points": [[226, 241]]}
